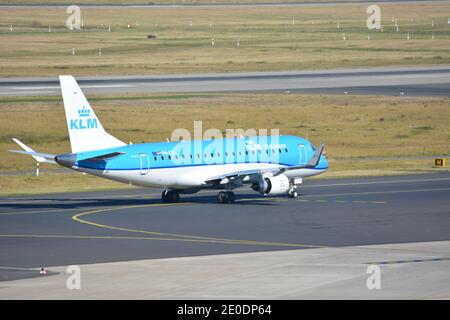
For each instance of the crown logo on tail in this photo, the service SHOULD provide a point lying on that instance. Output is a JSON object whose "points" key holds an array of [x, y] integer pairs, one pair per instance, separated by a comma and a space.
{"points": [[84, 112]]}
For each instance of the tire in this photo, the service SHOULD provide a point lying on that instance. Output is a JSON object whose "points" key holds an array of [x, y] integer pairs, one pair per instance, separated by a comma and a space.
{"points": [[169, 196], [231, 197], [292, 194], [164, 196], [221, 197], [175, 197], [226, 197]]}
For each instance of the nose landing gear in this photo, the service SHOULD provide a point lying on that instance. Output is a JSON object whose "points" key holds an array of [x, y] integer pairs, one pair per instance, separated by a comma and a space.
{"points": [[292, 193]]}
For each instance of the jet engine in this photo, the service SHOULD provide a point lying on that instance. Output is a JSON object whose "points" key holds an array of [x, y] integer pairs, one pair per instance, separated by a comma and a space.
{"points": [[272, 185]]}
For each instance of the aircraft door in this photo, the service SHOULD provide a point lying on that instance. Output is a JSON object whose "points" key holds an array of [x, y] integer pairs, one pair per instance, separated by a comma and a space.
{"points": [[302, 154], [145, 163]]}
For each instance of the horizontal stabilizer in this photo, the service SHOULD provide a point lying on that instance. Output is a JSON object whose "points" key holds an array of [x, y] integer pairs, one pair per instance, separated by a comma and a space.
{"points": [[39, 157]]}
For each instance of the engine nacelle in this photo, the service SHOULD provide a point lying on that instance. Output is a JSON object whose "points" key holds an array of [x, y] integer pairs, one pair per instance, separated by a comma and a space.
{"points": [[272, 185]]}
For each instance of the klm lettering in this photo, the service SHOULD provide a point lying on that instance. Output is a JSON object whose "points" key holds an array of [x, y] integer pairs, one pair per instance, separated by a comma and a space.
{"points": [[83, 123]]}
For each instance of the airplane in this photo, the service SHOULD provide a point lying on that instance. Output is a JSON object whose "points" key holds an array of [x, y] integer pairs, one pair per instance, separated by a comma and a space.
{"points": [[179, 167]]}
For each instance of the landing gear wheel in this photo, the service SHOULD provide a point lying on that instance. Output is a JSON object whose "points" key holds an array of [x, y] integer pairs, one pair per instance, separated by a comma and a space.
{"points": [[292, 193], [169, 196], [225, 197], [231, 197], [221, 197]]}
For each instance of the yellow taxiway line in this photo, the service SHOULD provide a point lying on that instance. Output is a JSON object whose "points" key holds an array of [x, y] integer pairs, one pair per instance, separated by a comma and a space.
{"points": [[179, 237]]}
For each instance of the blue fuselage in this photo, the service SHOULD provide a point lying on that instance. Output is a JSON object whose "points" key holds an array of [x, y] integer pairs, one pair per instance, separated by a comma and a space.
{"points": [[284, 150]]}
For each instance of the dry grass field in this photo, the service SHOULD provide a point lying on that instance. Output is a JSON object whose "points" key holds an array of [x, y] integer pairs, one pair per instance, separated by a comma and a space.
{"points": [[275, 38], [156, 2], [353, 127]]}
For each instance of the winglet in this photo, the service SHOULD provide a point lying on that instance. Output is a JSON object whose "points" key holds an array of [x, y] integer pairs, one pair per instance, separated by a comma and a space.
{"points": [[314, 161]]}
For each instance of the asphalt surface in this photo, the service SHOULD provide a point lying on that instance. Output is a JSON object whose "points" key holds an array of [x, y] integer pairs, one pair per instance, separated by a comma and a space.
{"points": [[94, 227], [417, 81]]}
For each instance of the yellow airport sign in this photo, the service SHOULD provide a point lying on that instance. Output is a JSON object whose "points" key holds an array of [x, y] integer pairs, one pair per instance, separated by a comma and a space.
{"points": [[439, 162]]}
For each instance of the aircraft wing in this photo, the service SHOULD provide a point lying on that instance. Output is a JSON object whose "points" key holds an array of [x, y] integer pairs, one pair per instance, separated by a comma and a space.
{"points": [[243, 177], [106, 156], [250, 176]]}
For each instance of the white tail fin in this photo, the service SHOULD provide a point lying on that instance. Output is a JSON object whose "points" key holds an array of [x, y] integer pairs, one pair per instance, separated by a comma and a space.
{"points": [[85, 130]]}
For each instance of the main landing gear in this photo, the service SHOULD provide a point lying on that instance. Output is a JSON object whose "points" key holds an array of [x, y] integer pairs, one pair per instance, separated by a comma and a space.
{"points": [[170, 196], [225, 197]]}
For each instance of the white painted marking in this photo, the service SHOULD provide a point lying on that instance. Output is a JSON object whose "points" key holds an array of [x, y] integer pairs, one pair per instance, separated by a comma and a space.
{"points": [[107, 86], [149, 195], [82, 86], [34, 88], [25, 92], [39, 211], [375, 182], [21, 269], [374, 192]]}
